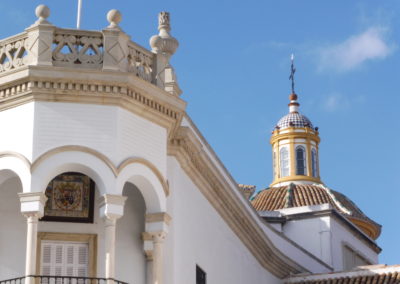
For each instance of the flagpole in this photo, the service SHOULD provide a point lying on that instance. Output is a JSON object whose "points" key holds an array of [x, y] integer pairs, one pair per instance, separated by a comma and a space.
{"points": [[78, 20]]}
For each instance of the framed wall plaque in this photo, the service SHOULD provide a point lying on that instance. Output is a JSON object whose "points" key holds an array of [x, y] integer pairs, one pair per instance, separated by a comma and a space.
{"points": [[70, 199]]}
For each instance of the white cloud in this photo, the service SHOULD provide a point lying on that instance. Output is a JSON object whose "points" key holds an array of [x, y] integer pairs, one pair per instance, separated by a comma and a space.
{"points": [[335, 101], [338, 102], [371, 44]]}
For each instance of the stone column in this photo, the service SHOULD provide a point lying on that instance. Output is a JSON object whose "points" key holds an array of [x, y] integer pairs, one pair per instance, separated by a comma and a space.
{"points": [[158, 242], [111, 209], [156, 231], [32, 207]]}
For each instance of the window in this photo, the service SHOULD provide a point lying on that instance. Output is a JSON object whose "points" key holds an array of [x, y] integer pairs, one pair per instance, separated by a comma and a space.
{"points": [[284, 161], [64, 254], [200, 275], [64, 258], [300, 161], [314, 163]]}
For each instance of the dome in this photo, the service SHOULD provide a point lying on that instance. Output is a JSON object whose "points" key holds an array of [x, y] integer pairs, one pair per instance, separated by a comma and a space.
{"points": [[296, 195], [294, 119]]}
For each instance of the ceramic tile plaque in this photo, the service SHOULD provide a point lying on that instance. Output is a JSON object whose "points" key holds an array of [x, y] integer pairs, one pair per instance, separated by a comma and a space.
{"points": [[70, 199]]}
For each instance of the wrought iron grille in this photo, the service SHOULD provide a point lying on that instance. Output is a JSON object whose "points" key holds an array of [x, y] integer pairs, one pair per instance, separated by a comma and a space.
{"points": [[45, 279]]}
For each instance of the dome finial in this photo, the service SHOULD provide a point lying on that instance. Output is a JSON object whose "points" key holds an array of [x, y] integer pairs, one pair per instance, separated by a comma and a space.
{"points": [[293, 105], [292, 71]]}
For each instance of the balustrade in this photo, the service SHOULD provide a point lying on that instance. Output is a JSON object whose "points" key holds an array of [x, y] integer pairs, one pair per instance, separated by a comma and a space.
{"points": [[46, 279]]}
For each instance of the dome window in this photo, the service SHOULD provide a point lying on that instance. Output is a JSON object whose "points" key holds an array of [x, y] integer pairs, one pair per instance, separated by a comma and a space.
{"points": [[300, 160], [314, 163], [284, 162]]}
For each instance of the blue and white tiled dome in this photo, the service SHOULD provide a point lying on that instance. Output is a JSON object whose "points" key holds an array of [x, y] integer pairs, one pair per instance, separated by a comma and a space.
{"points": [[294, 119]]}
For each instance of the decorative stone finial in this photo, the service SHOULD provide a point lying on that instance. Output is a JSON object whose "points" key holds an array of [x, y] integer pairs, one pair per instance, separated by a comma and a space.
{"points": [[163, 42], [114, 17], [163, 21], [42, 12]]}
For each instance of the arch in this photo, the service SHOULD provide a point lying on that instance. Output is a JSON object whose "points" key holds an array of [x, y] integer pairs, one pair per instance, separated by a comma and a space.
{"points": [[56, 162], [301, 168], [16, 164], [148, 164], [76, 148], [284, 161], [147, 181]]}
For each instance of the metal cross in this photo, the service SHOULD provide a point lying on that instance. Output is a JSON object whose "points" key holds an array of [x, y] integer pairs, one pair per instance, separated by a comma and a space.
{"points": [[293, 70]]}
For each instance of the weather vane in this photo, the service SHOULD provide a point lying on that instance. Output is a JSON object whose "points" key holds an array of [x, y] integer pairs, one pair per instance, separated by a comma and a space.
{"points": [[293, 70]]}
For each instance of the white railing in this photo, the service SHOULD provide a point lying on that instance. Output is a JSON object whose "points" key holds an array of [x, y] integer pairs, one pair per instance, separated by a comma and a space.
{"points": [[140, 61], [13, 53], [75, 49]]}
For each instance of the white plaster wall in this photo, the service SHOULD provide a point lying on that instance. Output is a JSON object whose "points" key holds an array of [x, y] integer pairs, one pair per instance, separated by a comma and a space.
{"points": [[324, 237], [313, 234], [138, 137], [12, 232], [110, 130], [58, 124], [16, 129], [130, 264], [342, 236], [201, 236]]}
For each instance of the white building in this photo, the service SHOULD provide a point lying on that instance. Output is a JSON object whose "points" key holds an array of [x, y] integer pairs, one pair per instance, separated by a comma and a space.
{"points": [[116, 184]]}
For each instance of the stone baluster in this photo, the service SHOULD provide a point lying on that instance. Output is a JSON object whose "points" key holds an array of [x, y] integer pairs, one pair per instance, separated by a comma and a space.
{"points": [[115, 44], [40, 39], [32, 207], [111, 209], [164, 46]]}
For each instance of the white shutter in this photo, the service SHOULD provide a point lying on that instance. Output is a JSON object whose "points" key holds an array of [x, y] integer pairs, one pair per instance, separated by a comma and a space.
{"points": [[64, 258]]}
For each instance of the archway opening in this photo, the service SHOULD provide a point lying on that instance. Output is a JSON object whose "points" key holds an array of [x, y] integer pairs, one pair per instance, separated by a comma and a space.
{"points": [[131, 264], [13, 232]]}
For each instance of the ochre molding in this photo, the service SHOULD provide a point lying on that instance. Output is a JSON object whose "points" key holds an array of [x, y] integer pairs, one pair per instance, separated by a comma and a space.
{"points": [[90, 239], [167, 113], [105, 160], [74, 148], [187, 150], [151, 166], [158, 217], [17, 155]]}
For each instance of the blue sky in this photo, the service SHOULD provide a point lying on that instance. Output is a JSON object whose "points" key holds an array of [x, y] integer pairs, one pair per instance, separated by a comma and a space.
{"points": [[233, 66]]}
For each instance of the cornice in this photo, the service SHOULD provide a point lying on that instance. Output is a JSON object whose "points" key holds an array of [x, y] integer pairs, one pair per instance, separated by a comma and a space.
{"points": [[193, 160], [59, 84]]}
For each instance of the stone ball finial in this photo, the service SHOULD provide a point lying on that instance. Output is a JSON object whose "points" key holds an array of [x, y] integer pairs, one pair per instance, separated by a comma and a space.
{"points": [[42, 12], [114, 17]]}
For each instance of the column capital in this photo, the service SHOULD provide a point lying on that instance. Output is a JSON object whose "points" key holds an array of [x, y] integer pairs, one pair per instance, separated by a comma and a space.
{"points": [[112, 206], [32, 203]]}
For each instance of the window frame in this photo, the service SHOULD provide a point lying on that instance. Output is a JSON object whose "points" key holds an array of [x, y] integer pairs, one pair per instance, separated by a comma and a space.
{"points": [[90, 239], [304, 159], [282, 162]]}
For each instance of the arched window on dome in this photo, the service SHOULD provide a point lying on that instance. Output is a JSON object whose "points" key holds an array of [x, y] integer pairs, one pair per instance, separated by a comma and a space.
{"points": [[284, 161], [314, 164], [301, 161]]}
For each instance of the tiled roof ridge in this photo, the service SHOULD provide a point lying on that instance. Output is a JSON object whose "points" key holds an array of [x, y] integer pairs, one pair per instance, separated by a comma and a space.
{"points": [[359, 272], [334, 199]]}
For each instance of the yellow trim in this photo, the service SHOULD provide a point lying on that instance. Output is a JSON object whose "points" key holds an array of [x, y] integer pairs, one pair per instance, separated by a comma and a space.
{"points": [[309, 166], [368, 228], [296, 178], [287, 137]]}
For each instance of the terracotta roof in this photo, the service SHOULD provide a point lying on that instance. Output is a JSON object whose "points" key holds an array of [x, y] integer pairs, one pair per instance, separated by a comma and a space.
{"points": [[296, 195], [374, 274]]}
